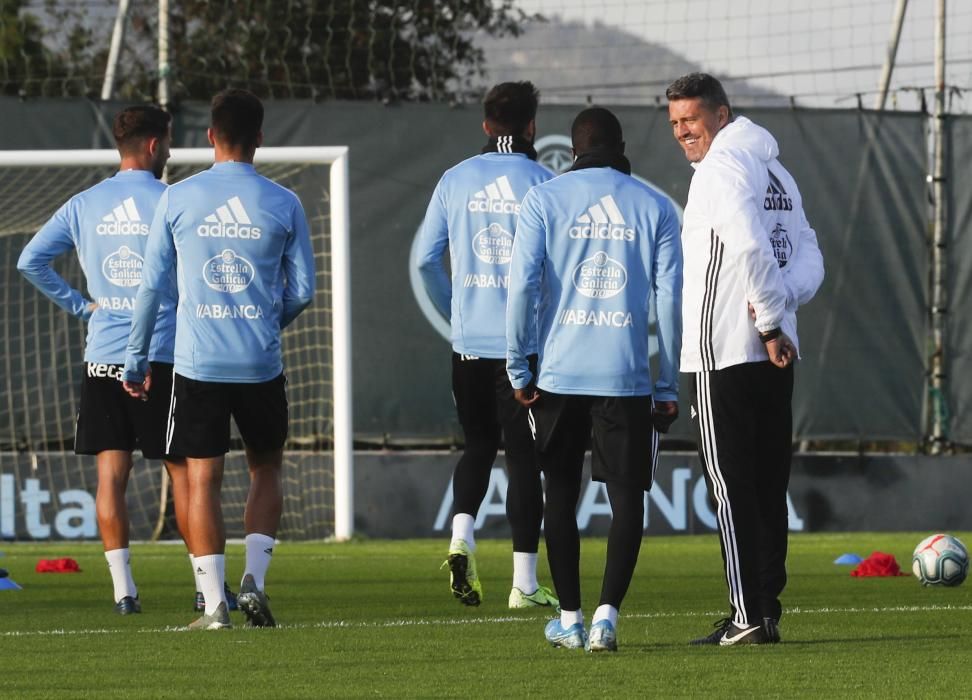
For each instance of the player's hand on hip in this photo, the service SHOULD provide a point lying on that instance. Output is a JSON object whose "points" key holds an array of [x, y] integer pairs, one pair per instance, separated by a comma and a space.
{"points": [[527, 396], [663, 414]]}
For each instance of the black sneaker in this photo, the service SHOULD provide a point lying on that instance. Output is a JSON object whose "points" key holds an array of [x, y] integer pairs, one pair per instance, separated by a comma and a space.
{"points": [[743, 634], [771, 629], [231, 603], [716, 636], [128, 606]]}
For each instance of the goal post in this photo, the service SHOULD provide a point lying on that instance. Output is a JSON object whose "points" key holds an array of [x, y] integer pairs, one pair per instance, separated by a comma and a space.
{"points": [[29, 200]]}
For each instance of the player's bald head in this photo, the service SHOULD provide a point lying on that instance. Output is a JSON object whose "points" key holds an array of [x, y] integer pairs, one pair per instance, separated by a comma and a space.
{"points": [[596, 129]]}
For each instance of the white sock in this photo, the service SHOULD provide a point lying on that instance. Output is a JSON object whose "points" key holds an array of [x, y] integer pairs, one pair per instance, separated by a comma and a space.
{"points": [[462, 529], [195, 576], [259, 550], [606, 612], [211, 571], [571, 617], [119, 566], [525, 572]]}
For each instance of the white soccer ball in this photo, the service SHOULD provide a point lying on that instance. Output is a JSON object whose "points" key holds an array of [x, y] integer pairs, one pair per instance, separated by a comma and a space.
{"points": [[940, 560]]}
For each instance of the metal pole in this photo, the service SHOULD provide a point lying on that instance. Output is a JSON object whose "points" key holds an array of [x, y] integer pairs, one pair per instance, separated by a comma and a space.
{"points": [[117, 39], [164, 69], [939, 299], [889, 59], [341, 352]]}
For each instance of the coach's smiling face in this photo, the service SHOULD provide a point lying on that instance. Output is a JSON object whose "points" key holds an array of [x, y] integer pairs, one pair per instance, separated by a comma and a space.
{"points": [[695, 125]]}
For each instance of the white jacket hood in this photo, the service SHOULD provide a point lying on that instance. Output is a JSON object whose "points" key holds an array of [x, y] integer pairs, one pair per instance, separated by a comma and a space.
{"points": [[742, 135]]}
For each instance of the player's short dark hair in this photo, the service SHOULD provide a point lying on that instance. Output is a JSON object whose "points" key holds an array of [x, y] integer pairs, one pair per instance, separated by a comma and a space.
{"points": [[510, 107], [595, 129], [699, 85], [134, 124], [236, 117]]}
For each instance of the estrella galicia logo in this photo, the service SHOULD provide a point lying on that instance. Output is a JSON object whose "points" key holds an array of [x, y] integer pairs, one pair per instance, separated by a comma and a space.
{"points": [[493, 245], [782, 248], [123, 268], [600, 277], [228, 272]]}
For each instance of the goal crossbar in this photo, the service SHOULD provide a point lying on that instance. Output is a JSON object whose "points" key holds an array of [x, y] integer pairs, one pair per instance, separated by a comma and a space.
{"points": [[337, 158]]}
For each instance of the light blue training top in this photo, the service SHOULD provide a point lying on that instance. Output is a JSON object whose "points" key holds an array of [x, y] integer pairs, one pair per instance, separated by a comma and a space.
{"points": [[473, 211], [108, 226], [592, 246], [245, 269]]}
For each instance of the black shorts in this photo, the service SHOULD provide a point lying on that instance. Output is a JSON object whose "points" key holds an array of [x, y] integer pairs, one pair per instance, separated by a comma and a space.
{"points": [[199, 417], [110, 419], [484, 399], [624, 445]]}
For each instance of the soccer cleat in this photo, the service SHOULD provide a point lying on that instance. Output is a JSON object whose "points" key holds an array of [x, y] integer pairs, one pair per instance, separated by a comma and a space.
{"points": [[218, 620], [542, 597], [128, 606], [255, 604], [771, 629], [200, 604], [715, 636], [574, 637], [463, 579], [603, 637], [743, 634], [728, 633]]}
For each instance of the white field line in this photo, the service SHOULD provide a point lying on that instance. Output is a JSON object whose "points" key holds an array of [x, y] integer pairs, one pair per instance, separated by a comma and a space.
{"points": [[505, 619]]}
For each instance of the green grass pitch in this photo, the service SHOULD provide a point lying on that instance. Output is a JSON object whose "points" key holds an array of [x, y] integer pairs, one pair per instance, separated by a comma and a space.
{"points": [[376, 619]]}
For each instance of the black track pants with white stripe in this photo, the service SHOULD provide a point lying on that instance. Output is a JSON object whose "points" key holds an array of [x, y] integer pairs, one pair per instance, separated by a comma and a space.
{"points": [[744, 425]]}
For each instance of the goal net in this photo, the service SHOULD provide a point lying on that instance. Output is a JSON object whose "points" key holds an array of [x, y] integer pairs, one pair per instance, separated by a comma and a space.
{"points": [[48, 492]]}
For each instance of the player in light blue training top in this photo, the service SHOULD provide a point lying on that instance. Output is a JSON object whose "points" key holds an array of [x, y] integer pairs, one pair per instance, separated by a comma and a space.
{"points": [[473, 213], [592, 247], [242, 251], [108, 226]]}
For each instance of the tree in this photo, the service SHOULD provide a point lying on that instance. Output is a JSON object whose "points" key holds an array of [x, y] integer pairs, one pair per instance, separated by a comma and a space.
{"points": [[416, 49], [23, 58], [349, 49]]}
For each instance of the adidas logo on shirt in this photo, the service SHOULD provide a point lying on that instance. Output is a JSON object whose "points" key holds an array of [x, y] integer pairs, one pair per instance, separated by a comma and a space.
{"points": [[776, 198], [496, 198], [229, 221], [603, 221], [123, 220]]}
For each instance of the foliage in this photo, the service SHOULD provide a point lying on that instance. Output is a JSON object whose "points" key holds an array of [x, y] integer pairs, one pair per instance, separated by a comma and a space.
{"points": [[349, 49]]}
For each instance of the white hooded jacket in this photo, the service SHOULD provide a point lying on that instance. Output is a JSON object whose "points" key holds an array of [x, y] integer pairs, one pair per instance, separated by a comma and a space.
{"points": [[745, 240]]}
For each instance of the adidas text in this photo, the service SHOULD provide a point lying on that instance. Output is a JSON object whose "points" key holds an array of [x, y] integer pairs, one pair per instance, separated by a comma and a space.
{"points": [[221, 230], [494, 206], [603, 232], [122, 228], [777, 202]]}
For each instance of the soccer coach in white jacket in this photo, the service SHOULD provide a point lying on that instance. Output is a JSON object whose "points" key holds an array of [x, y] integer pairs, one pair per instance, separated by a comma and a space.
{"points": [[750, 259]]}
